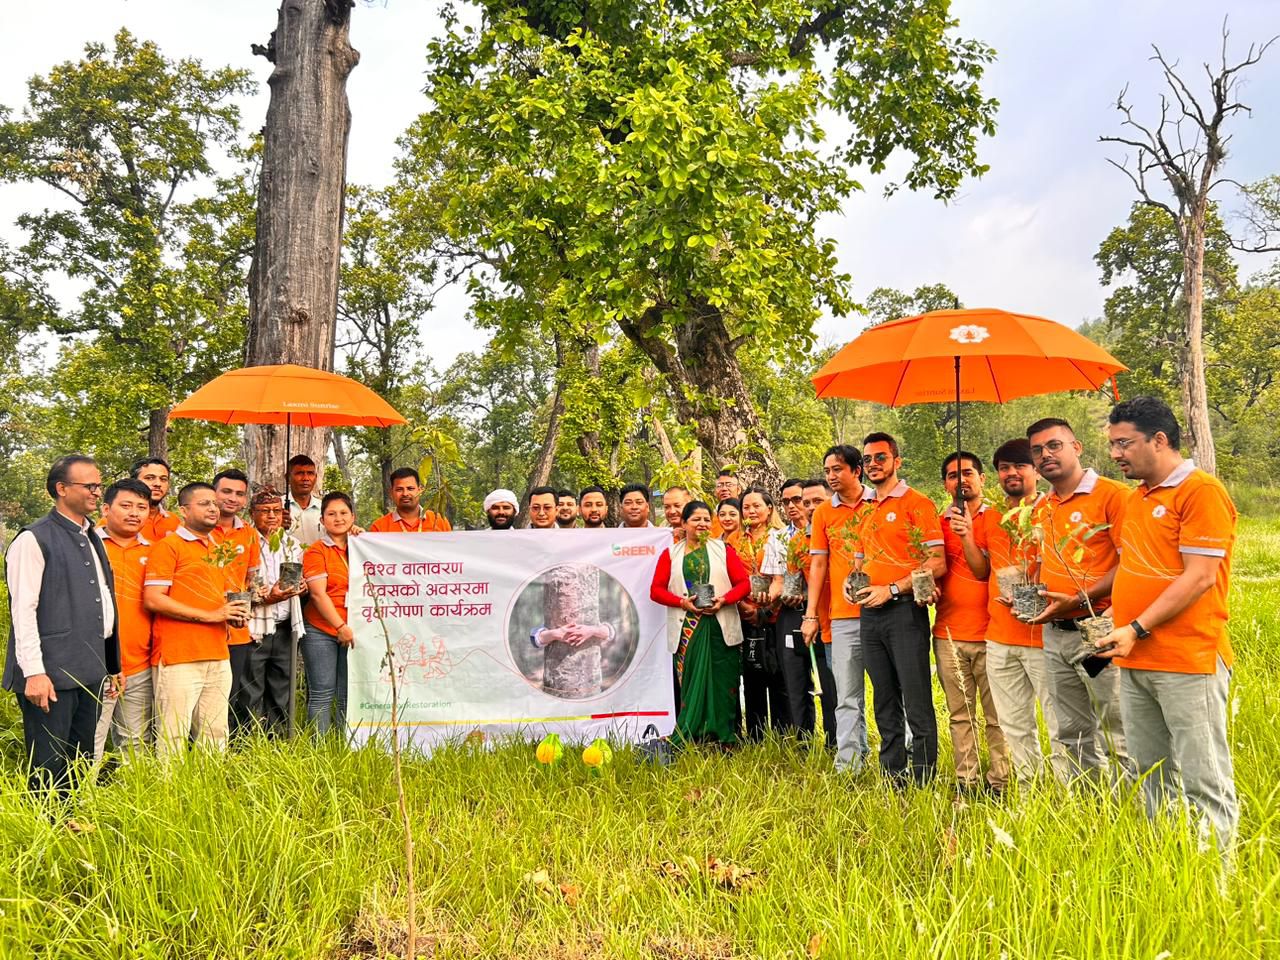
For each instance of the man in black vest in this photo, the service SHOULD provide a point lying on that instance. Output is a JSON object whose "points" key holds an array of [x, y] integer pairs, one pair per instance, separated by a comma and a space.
{"points": [[64, 641]]}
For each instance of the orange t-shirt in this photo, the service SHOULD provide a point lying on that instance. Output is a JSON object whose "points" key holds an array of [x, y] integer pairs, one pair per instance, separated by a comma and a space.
{"points": [[962, 608], [1190, 513], [833, 531], [129, 567], [1003, 626], [159, 523], [885, 533], [249, 557], [428, 522], [183, 563], [1096, 501], [799, 550], [325, 559]]}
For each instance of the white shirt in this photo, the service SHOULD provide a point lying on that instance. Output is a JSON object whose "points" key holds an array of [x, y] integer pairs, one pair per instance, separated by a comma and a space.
{"points": [[304, 522], [774, 562], [24, 566]]}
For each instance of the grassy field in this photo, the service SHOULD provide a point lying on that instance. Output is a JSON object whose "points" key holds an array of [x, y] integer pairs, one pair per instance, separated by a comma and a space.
{"points": [[295, 852]]}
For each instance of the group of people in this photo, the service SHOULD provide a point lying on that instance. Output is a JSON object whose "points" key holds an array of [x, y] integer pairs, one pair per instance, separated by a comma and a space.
{"points": [[1147, 696], [161, 628]]}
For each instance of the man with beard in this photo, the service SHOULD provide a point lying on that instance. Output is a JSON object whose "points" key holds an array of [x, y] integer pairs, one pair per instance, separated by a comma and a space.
{"points": [[500, 509], [895, 628], [1015, 650], [154, 472], [594, 507], [542, 508], [566, 509], [634, 503], [1087, 708], [960, 630], [231, 488], [673, 501], [409, 516]]}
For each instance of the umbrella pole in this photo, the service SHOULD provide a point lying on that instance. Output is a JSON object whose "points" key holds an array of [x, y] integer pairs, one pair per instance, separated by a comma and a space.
{"points": [[293, 638], [959, 465]]}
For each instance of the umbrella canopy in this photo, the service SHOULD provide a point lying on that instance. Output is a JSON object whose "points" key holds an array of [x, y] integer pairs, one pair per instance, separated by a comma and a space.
{"points": [[950, 355], [288, 395]]}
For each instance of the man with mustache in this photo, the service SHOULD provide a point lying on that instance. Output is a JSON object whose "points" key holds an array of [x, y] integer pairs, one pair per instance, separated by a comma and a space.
{"points": [[154, 472], [593, 505], [566, 509], [500, 509]]}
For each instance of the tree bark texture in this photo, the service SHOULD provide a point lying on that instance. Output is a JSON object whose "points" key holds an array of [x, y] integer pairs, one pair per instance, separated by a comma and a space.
{"points": [[1195, 393], [158, 433], [707, 388], [293, 281]]}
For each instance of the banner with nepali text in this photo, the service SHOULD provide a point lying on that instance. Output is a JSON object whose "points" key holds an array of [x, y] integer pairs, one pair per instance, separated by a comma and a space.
{"points": [[509, 633]]}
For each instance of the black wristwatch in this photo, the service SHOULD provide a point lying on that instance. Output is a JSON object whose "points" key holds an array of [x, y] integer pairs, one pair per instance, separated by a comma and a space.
{"points": [[1139, 630], [893, 590]]}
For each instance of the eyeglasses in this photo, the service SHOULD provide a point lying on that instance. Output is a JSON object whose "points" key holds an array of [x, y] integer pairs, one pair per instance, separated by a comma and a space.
{"points": [[875, 458], [91, 487], [790, 500], [1122, 444], [1053, 446]]}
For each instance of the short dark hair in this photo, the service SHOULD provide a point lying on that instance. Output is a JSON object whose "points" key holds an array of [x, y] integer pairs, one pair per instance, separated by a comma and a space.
{"points": [[634, 488], [727, 472], [561, 494], [402, 473], [299, 460], [186, 493], [136, 487], [146, 462], [542, 491], [730, 502], [333, 495], [790, 482], [962, 456], [1017, 450], [816, 482], [1149, 415], [592, 489], [61, 469], [847, 452], [231, 474], [692, 506], [879, 436], [1048, 423]]}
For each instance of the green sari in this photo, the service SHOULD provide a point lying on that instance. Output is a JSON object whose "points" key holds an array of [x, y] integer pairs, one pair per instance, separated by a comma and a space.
{"points": [[706, 668]]}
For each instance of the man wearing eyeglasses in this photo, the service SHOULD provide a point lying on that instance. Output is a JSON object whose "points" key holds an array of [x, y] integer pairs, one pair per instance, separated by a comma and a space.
{"points": [[895, 629], [1073, 565], [63, 640]]}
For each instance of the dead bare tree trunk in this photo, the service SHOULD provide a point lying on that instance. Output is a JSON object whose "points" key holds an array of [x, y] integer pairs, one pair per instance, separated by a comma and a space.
{"points": [[293, 281], [1189, 164]]}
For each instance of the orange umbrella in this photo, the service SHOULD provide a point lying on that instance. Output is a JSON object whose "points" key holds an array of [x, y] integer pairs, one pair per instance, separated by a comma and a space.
{"points": [[953, 355]]}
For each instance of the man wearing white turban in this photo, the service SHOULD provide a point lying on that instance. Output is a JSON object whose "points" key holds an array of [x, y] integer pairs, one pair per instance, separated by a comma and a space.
{"points": [[500, 507]]}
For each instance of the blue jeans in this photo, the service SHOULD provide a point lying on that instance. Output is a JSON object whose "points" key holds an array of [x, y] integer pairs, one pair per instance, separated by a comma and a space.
{"points": [[325, 663]]}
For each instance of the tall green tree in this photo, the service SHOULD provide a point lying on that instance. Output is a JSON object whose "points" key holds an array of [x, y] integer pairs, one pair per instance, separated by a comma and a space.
{"points": [[131, 143], [659, 171]]}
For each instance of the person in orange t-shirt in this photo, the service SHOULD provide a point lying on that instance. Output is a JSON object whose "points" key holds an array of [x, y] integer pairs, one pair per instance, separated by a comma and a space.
{"points": [[232, 490], [328, 635], [409, 516], [154, 472], [960, 632], [728, 487], [1086, 707], [1015, 654], [895, 629], [1170, 607], [128, 708], [832, 547], [185, 592]]}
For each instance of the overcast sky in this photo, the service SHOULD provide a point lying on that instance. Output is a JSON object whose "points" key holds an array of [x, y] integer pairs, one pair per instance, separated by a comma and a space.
{"points": [[1022, 238]]}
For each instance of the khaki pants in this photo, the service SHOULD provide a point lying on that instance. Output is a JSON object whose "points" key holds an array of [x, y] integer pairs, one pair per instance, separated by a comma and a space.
{"points": [[130, 718], [962, 671], [1088, 729], [191, 703], [1018, 680]]}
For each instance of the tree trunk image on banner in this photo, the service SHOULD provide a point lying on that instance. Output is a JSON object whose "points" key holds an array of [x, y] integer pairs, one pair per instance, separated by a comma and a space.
{"points": [[513, 633]]}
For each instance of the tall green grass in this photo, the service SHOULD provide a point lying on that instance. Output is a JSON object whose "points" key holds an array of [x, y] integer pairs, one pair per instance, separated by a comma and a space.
{"points": [[294, 851]]}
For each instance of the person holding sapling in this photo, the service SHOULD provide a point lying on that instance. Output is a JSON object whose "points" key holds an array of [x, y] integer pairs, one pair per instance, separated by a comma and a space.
{"points": [[700, 580], [231, 487], [763, 693], [276, 622], [1170, 602], [960, 629], [1086, 697], [895, 623], [832, 547], [1004, 550]]}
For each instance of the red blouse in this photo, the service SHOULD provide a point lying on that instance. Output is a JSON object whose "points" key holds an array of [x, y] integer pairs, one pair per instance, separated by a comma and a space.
{"points": [[660, 590]]}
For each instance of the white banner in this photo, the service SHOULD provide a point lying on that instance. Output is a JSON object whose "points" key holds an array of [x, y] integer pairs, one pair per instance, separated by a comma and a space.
{"points": [[515, 632]]}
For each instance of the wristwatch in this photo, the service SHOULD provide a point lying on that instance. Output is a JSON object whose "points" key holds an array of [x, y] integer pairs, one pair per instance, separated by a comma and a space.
{"points": [[893, 590], [1139, 630]]}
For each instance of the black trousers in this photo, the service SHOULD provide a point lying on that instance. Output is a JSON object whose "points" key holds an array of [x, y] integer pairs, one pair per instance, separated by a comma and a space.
{"points": [[764, 696], [895, 649], [56, 740], [796, 667], [263, 697]]}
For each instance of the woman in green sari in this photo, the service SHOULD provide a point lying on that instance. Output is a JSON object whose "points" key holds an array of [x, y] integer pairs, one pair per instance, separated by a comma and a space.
{"points": [[702, 640]]}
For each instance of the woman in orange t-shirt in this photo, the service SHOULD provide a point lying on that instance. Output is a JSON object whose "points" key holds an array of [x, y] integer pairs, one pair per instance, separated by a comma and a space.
{"points": [[328, 636]]}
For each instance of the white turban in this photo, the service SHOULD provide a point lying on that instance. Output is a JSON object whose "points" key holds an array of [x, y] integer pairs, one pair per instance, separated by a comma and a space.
{"points": [[500, 496]]}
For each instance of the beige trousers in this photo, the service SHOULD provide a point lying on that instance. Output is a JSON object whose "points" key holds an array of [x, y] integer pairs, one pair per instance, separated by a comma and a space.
{"points": [[191, 703], [129, 718], [962, 671]]}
